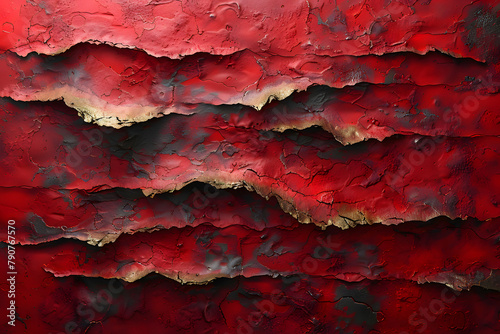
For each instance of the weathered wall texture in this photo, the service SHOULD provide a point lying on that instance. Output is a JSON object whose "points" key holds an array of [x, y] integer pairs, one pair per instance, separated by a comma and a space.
{"points": [[250, 166]]}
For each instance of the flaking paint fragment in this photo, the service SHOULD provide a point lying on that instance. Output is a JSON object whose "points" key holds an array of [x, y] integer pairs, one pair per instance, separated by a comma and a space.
{"points": [[116, 87], [294, 304], [179, 28], [411, 251], [315, 178]]}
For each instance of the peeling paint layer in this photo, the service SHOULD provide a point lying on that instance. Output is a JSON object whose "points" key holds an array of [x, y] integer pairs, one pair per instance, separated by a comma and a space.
{"points": [[100, 217], [294, 304], [178, 28], [117, 87], [314, 178], [413, 251]]}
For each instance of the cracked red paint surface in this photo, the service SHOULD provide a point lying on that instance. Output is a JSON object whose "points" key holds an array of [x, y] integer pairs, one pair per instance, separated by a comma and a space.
{"points": [[414, 252], [382, 113], [248, 237], [119, 87], [314, 178], [295, 304], [179, 28], [100, 217]]}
